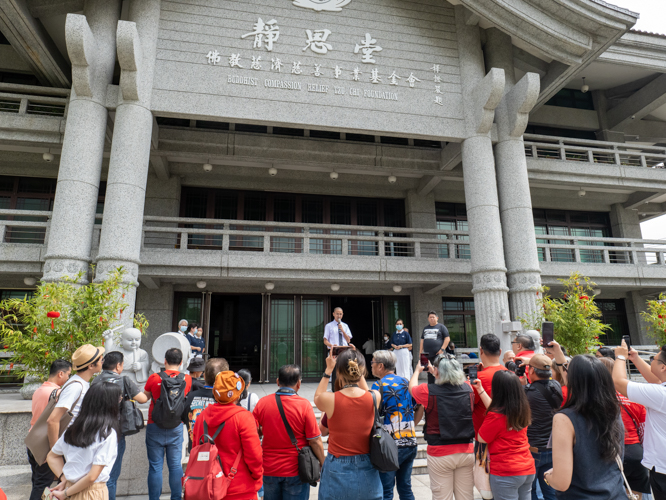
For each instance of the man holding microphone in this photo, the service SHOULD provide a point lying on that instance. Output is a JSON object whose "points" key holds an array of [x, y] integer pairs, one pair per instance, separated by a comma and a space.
{"points": [[336, 333]]}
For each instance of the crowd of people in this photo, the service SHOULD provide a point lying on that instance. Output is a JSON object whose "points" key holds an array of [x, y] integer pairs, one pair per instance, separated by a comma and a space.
{"points": [[546, 426]]}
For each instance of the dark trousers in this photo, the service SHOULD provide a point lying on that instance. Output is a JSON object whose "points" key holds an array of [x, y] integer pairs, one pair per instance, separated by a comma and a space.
{"points": [[658, 484], [542, 462], [402, 478], [42, 477]]}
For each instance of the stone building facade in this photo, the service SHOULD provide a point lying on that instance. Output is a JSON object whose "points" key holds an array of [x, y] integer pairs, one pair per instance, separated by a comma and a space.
{"points": [[254, 164]]}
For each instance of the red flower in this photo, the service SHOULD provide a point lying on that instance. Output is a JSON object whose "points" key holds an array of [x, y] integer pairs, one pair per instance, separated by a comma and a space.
{"points": [[123, 295], [659, 316], [101, 319], [46, 354], [584, 297], [11, 366], [34, 330], [6, 347]]}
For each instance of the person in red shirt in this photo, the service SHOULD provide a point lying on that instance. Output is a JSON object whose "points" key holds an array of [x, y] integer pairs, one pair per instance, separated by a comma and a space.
{"points": [[280, 455], [165, 441], [489, 352], [239, 435], [59, 373], [505, 430]]}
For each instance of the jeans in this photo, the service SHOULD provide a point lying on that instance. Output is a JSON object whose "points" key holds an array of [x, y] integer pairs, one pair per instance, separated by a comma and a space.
{"points": [[402, 476], [41, 477], [542, 462], [115, 471], [285, 488], [511, 487], [350, 478], [158, 443]]}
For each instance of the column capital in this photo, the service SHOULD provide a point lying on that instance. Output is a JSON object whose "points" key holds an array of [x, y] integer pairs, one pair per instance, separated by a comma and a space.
{"points": [[513, 111], [485, 97]]}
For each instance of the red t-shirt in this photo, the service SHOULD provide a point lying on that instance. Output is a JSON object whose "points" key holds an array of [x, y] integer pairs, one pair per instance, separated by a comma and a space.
{"points": [[486, 378], [509, 450], [630, 409], [565, 395], [280, 455], [420, 395], [154, 386]]}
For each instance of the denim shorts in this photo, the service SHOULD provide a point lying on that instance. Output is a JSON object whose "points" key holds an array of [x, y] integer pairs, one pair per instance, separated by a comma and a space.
{"points": [[350, 478]]}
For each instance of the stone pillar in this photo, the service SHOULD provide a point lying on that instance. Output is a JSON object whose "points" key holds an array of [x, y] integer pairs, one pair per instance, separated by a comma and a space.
{"points": [[120, 241], [625, 222], [635, 304], [481, 95], [91, 44], [515, 202]]}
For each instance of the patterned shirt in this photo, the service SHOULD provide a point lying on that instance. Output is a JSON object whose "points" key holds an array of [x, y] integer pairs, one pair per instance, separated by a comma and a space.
{"points": [[398, 409]]}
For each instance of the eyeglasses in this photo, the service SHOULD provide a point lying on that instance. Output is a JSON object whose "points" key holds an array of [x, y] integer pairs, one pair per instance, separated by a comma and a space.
{"points": [[652, 358]]}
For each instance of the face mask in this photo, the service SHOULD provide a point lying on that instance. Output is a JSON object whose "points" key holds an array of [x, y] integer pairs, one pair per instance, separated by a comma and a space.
{"points": [[386, 338], [398, 328], [183, 328]]}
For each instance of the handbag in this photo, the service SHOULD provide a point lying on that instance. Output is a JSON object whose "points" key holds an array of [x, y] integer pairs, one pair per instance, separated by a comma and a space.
{"points": [[481, 472], [630, 494], [383, 448], [37, 440], [309, 469], [131, 418]]}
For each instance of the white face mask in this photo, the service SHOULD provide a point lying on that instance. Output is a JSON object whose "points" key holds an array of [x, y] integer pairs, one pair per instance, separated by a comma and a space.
{"points": [[183, 328], [386, 337]]}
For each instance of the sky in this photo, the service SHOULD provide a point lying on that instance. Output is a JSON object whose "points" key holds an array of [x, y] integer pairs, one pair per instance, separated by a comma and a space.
{"points": [[653, 19], [653, 14]]}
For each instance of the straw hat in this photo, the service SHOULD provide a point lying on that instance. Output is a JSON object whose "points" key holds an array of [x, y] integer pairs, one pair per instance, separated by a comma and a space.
{"points": [[86, 355]]}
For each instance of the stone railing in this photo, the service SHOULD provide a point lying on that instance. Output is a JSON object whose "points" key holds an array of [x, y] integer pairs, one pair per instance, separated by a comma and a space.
{"points": [[27, 227], [588, 250], [611, 153], [32, 100], [296, 238]]}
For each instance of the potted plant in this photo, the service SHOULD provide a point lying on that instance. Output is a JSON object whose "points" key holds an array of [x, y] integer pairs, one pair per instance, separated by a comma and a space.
{"points": [[655, 319], [574, 314]]}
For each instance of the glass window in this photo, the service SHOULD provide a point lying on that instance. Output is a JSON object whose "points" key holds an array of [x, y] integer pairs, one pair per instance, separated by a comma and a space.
{"points": [[255, 206], [226, 206], [313, 211], [313, 352], [282, 334], [284, 209], [341, 212], [459, 318], [366, 213], [188, 307]]}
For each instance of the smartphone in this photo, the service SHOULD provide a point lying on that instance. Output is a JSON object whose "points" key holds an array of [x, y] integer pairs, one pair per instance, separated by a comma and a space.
{"points": [[547, 332], [424, 359], [339, 349], [46, 494], [473, 372], [627, 340]]}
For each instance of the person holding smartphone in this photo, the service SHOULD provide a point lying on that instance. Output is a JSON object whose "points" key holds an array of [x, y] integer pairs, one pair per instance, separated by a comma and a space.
{"points": [[336, 333], [434, 340]]}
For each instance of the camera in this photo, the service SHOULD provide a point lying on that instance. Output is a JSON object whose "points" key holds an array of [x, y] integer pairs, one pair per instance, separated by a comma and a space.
{"points": [[517, 367]]}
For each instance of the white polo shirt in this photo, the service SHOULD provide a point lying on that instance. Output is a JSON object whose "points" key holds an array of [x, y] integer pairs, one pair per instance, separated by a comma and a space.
{"points": [[332, 334], [653, 397]]}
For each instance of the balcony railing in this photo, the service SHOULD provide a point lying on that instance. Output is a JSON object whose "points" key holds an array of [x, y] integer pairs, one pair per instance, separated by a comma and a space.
{"points": [[610, 153], [32, 100], [296, 238], [23, 226], [588, 250]]}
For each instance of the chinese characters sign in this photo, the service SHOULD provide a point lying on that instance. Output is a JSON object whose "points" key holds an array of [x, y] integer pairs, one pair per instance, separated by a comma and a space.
{"points": [[376, 64]]}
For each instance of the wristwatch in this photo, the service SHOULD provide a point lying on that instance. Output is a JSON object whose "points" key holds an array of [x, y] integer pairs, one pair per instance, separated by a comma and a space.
{"points": [[619, 356], [326, 375]]}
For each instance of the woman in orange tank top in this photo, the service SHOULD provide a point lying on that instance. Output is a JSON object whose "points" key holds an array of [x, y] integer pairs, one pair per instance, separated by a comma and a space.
{"points": [[348, 472]]}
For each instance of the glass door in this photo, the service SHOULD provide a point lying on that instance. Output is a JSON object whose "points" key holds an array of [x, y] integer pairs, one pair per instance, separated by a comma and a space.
{"points": [[312, 331], [281, 334]]}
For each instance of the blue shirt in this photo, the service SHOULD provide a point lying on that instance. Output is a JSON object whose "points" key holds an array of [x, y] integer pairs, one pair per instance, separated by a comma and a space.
{"points": [[398, 409], [196, 342], [401, 338]]}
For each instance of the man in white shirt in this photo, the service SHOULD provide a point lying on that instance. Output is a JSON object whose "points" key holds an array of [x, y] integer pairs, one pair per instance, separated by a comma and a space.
{"points": [[86, 361], [336, 333], [653, 396]]}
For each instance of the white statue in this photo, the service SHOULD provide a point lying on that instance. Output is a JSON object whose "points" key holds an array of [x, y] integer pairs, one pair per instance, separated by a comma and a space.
{"points": [[165, 342], [136, 360]]}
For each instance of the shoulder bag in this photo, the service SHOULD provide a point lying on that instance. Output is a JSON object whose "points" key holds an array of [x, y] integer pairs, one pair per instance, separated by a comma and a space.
{"points": [[131, 418], [630, 494], [309, 469], [481, 472], [37, 440], [383, 448]]}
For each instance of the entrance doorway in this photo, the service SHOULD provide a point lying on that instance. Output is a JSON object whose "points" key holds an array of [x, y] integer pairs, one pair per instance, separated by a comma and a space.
{"points": [[235, 331], [364, 317]]}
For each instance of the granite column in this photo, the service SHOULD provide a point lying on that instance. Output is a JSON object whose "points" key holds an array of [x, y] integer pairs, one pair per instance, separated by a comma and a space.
{"points": [[122, 226], [481, 94], [91, 44], [515, 202]]}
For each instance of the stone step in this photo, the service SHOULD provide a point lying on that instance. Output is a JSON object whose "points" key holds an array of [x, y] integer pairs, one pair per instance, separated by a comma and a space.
{"points": [[420, 467]]}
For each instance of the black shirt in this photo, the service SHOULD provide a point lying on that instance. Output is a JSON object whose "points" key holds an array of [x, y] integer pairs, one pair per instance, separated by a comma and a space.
{"points": [[538, 432], [433, 338], [195, 403], [128, 386]]}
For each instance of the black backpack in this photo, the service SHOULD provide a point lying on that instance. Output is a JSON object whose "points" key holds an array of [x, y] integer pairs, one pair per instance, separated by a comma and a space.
{"points": [[131, 418], [169, 407]]}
